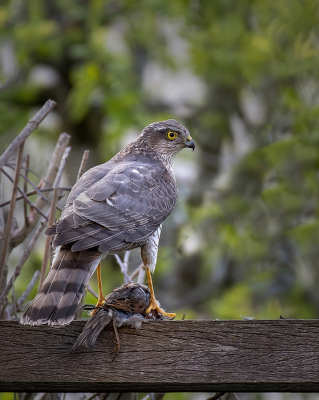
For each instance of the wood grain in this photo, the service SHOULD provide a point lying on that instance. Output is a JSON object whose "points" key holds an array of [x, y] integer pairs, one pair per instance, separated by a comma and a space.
{"points": [[164, 356]]}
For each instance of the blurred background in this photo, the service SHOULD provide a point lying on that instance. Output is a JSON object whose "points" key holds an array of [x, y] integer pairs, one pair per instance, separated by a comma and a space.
{"points": [[243, 77]]}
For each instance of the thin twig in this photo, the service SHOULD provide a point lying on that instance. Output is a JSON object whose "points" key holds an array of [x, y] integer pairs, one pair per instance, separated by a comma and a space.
{"points": [[92, 397], [28, 169], [22, 260], [149, 396], [23, 195], [123, 269], [32, 192], [26, 293], [137, 270], [159, 396], [141, 276], [7, 314], [127, 279], [46, 254], [27, 396], [25, 189], [23, 232], [103, 396], [26, 132], [12, 207], [2, 223], [83, 164], [216, 396], [90, 290], [13, 302], [126, 257], [31, 183]]}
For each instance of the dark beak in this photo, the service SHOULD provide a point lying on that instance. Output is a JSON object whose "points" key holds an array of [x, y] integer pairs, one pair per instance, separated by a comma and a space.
{"points": [[190, 144]]}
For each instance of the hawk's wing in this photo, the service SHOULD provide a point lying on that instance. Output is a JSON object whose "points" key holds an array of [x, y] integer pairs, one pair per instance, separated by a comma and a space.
{"points": [[124, 206]]}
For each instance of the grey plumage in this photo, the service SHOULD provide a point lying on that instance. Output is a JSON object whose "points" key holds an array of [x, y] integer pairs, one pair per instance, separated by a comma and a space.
{"points": [[114, 207]]}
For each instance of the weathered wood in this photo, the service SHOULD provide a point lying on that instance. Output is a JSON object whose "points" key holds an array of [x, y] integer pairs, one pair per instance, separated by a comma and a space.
{"points": [[165, 356]]}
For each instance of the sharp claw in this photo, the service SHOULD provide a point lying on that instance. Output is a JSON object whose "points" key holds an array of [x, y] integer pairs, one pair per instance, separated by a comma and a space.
{"points": [[98, 304], [160, 311]]}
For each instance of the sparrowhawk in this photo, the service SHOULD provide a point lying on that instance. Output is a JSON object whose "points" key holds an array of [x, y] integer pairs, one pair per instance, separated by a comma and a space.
{"points": [[113, 207]]}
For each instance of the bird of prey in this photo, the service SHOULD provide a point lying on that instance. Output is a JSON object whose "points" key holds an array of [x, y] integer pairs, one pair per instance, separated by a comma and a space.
{"points": [[113, 207]]}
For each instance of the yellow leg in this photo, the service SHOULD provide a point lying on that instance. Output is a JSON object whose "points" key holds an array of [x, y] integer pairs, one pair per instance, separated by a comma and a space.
{"points": [[101, 298], [153, 302]]}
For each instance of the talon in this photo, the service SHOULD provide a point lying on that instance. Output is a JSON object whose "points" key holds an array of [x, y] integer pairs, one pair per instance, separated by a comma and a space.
{"points": [[99, 303], [153, 303], [160, 311]]}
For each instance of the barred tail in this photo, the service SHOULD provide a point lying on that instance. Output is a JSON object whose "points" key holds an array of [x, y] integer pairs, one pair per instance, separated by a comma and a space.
{"points": [[57, 301]]}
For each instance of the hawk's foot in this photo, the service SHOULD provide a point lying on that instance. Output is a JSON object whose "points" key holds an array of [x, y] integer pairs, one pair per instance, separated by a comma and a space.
{"points": [[99, 303], [155, 306], [101, 298], [153, 303]]}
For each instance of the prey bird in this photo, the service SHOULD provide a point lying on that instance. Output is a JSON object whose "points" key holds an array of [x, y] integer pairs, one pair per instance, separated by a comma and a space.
{"points": [[124, 306], [113, 207]]}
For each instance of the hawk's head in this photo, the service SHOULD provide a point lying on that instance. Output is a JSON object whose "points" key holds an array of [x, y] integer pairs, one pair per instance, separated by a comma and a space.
{"points": [[167, 138]]}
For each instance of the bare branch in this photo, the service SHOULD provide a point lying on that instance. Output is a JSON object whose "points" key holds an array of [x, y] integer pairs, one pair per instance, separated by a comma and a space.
{"points": [[31, 183], [83, 164], [26, 132], [25, 189], [32, 192], [23, 195], [22, 260], [7, 232], [127, 279], [141, 276], [149, 396], [23, 232], [216, 396], [93, 396], [123, 267], [10, 164], [13, 302], [103, 396], [159, 396], [2, 223], [52, 214], [26, 293], [126, 258], [90, 290], [137, 270]]}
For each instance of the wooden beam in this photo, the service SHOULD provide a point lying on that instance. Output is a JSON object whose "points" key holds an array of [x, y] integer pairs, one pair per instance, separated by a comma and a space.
{"points": [[164, 356]]}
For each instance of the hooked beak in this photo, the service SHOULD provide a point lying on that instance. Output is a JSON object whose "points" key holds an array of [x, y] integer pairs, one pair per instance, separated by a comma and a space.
{"points": [[190, 143]]}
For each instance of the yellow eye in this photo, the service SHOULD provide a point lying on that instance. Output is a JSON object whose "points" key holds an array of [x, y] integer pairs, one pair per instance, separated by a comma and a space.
{"points": [[171, 135]]}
